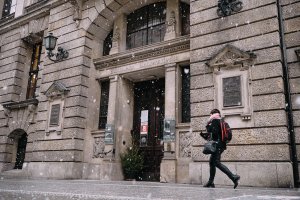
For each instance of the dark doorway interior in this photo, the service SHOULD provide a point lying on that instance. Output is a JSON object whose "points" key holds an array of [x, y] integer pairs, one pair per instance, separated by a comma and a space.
{"points": [[21, 151], [149, 97]]}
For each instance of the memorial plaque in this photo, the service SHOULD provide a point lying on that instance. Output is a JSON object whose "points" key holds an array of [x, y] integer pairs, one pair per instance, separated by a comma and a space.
{"points": [[232, 91], [54, 116]]}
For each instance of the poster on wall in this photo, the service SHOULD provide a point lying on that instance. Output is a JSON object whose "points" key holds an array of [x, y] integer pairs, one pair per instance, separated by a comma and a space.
{"points": [[144, 128]]}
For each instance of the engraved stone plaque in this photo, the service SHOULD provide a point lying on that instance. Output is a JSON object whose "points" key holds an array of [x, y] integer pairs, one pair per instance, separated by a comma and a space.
{"points": [[232, 91], [54, 116]]}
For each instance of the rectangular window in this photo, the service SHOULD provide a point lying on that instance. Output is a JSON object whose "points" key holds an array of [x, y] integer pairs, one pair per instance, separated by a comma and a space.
{"points": [[104, 98], [185, 94], [34, 69], [9, 7], [232, 91]]}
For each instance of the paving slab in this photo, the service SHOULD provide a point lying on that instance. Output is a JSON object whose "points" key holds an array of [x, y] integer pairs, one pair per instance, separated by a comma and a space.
{"points": [[15, 189]]}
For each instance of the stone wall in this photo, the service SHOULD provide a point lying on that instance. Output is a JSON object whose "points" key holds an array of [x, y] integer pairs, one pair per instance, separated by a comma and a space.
{"points": [[265, 142], [291, 17]]}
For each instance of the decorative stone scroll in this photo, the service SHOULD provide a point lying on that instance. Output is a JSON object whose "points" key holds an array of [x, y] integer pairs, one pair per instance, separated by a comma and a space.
{"points": [[78, 6]]}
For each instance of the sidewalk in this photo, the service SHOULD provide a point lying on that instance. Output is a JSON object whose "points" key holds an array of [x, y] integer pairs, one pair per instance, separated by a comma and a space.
{"points": [[13, 189]]}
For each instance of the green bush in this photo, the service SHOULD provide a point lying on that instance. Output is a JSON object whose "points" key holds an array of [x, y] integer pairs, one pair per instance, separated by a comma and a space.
{"points": [[132, 163]]}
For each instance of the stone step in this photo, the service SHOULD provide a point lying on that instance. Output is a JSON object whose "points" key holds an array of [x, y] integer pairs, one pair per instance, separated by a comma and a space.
{"points": [[14, 174]]}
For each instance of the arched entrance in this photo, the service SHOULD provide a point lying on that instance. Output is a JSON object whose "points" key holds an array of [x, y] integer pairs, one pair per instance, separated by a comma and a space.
{"points": [[19, 142]]}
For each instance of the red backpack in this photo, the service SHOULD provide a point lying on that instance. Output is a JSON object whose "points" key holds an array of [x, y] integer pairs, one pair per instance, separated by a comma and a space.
{"points": [[226, 131]]}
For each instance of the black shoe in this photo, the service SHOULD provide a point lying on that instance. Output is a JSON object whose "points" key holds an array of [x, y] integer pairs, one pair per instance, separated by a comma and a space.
{"points": [[209, 185], [235, 180]]}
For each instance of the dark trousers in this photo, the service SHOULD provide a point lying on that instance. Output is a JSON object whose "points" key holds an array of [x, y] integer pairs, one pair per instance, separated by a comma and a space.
{"points": [[215, 162]]}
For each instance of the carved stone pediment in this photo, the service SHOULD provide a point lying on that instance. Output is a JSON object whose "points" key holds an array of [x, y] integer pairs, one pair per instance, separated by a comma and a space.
{"points": [[231, 56], [56, 90]]}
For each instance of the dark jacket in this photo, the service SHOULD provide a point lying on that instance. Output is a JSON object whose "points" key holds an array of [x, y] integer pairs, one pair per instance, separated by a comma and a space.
{"points": [[214, 127]]}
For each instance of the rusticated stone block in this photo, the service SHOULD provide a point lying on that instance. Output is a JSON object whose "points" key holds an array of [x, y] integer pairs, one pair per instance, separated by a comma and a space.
{"points": [[252, 136], [76, 101], [270, 118], [295, 85], [294, 70], [273, 101], [74, 122], [62, 170], [58, 156], [201, 81], [198, 123], [203, 108], [200, 68], [248, 153], [240, 32], [296, 115], [73, 133], [56, 145], [267, 86], [75, 112], [266, 70], [203, 94]]}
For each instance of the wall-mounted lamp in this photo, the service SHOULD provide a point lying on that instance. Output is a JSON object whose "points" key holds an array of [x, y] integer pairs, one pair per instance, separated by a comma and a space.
{"points": [[227, 7], [298, 53], [50, 43]]}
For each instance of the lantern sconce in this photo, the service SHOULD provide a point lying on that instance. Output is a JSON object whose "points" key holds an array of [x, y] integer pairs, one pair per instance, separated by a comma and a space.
{"points": [[50, 43], [227, 7], [298, 53]]}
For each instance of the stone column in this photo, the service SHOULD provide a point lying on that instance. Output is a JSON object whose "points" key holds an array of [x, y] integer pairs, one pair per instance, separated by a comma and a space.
{"points": [[168, 165], [111, 115], [172, 20]]}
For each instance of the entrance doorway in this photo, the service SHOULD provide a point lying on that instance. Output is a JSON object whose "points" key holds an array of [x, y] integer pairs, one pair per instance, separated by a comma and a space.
{"points": [[19, 142], [148, 125]]}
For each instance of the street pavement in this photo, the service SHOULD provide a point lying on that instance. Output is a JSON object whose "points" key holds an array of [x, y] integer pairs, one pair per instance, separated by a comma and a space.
{"points": [[24, 189]]}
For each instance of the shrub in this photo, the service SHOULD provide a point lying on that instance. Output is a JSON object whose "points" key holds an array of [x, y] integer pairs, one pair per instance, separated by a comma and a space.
{"points": [[132, 162]]}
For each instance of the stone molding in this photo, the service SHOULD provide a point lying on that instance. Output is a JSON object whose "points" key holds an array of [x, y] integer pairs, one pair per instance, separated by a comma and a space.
{"points": [[231, 56], [56, 90], [161, 49], [35, 6]]}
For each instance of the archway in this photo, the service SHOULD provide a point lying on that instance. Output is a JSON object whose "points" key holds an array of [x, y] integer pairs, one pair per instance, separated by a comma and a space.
{"points": [[18, 140]]}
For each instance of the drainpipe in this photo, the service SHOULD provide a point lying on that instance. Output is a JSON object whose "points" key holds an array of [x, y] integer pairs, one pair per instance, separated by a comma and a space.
{"points": [[293, 152]]}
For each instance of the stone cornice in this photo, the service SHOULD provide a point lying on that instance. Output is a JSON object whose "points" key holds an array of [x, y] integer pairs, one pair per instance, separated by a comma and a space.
{"points": [[21, 104], [14, 23], [180, 44]]}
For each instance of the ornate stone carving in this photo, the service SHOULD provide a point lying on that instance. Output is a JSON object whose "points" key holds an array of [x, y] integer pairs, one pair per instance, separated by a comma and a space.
{"points": [[99, 147], [231, 56], [31, 109], [179, 45], [185, 144], [7, 114], [57, 89], [171, 27], [78, 5]]}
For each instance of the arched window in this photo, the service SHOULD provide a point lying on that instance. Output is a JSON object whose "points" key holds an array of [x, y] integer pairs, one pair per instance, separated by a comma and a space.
{"points": [[185, 18], [146, 25]]}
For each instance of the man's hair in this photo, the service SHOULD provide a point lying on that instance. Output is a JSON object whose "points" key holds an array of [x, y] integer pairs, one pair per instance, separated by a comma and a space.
{"points": [[213, 111]]}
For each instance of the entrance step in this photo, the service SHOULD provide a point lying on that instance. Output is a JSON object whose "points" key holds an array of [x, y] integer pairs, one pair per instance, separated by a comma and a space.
{"points": [[14, 174]]}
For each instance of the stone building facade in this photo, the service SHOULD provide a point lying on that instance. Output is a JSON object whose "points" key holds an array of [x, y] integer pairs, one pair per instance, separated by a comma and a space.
{"points": [[149, 72]]}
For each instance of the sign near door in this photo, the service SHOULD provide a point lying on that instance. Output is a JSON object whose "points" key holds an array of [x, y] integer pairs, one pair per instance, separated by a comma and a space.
{"points": [[144, 127]]}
